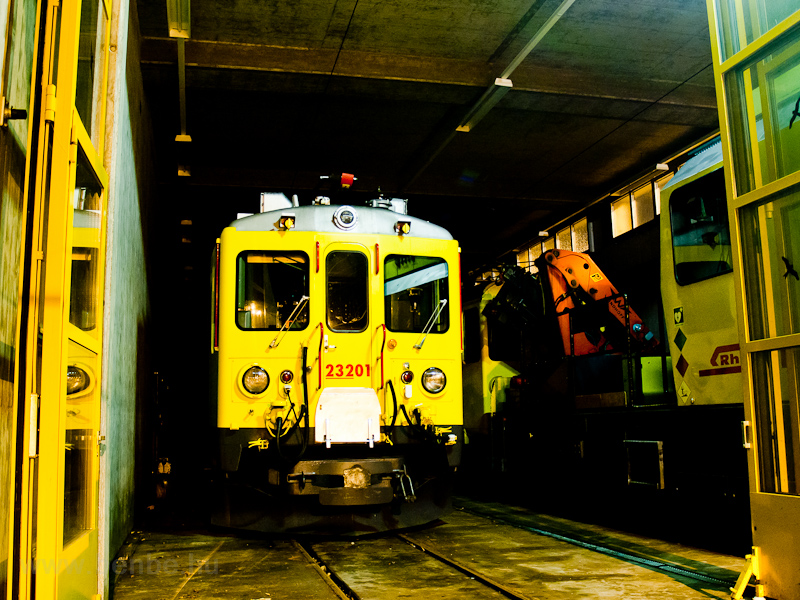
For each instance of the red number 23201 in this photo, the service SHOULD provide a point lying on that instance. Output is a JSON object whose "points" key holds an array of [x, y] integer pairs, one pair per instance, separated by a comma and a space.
{"points": [[346, 371]]}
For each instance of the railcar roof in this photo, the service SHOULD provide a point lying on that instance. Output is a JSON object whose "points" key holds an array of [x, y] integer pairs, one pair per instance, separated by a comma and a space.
{"points": [[709, 156], [379, 221]]}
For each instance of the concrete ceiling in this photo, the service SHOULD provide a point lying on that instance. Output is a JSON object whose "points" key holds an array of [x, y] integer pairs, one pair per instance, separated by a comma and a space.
{"points": [[279, 92]]}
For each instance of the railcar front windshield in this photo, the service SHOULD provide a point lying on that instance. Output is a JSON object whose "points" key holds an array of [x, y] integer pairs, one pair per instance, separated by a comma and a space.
{"points": [[700, 235], [269, 287], [414, 288]]}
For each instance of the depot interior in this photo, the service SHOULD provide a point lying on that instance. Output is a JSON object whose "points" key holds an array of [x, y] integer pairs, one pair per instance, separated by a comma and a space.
{"points": [[596, 100], [496, 120]]}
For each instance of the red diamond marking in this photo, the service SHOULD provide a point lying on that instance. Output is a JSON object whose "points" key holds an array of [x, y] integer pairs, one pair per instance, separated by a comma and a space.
{"points": [[682, 366]]}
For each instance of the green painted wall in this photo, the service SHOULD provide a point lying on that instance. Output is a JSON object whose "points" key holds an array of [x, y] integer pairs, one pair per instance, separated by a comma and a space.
{"points": [[126, 371]]}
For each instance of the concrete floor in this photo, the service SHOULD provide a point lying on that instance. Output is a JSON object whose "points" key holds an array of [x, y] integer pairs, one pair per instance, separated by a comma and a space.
{"points": [[173, 566], [167, 566]]}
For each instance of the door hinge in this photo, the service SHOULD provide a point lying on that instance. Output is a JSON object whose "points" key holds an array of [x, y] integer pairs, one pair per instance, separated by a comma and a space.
{"points": [[73, 153], [50, 103]]}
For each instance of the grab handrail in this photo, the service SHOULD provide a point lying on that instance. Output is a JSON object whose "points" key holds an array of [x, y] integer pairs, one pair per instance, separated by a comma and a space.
{"points": [[321, 339], [383, 345]]}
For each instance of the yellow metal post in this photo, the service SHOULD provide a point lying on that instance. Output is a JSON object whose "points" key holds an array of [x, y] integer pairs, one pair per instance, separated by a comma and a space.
{"points": [[750, 570]]}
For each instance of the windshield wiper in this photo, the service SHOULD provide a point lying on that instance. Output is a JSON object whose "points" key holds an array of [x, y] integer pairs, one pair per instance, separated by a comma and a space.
{"points": [[431, 321], [288, 323]]}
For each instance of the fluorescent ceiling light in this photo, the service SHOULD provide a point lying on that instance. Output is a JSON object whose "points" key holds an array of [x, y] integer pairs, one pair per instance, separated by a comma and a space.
{"points": [[178, 18]]}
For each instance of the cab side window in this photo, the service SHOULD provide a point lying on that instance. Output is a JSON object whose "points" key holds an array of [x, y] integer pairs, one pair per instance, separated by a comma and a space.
{"points": [[700, 234]]}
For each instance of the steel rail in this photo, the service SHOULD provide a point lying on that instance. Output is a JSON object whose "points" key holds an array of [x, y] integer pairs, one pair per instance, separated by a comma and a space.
{"points": [[334, 582], [618, 554], [466, 570], [346, 593]]}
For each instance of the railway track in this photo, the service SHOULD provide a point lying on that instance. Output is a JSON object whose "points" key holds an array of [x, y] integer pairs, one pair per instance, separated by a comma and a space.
{"points": [[632, 557], [417, 563], [473, 574], [340, 587], [488, 552]]}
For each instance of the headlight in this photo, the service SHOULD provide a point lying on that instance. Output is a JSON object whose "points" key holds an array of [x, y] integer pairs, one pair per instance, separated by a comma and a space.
{"points": [[255, 380], [77, 380], [433, 380]]}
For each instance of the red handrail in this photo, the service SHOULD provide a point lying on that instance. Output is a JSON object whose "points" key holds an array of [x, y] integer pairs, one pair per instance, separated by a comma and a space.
{"points": [[321, 339], [383, 325]]}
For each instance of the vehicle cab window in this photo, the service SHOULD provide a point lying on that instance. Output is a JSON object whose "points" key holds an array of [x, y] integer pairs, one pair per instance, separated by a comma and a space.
{"points": [[700, 234], [414, 290], [269, 287]]}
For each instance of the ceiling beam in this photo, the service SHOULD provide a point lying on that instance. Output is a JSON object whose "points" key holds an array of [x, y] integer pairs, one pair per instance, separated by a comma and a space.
{"points": [[434, 70]]}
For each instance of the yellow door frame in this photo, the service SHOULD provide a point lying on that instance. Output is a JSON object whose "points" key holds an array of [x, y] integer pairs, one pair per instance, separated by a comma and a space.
{"points": [[63, 142], [739, 41]]}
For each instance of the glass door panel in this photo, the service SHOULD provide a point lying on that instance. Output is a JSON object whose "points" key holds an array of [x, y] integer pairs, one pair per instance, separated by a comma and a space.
{"points": [[80, 445], [92, 68], [763, 95], [86, 222], [741, 22], [775, 381], [771, 238]]}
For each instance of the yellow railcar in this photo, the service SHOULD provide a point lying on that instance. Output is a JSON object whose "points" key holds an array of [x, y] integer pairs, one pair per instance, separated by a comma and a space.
{"points": [[337, 350]]}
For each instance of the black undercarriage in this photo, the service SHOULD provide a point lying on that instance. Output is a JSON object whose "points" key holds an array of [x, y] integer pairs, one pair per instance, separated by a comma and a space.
{"points": [[344, 489]]}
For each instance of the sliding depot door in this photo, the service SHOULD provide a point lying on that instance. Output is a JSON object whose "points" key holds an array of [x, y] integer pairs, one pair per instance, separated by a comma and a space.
{"points": [[756, 50], [56, 549]]}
